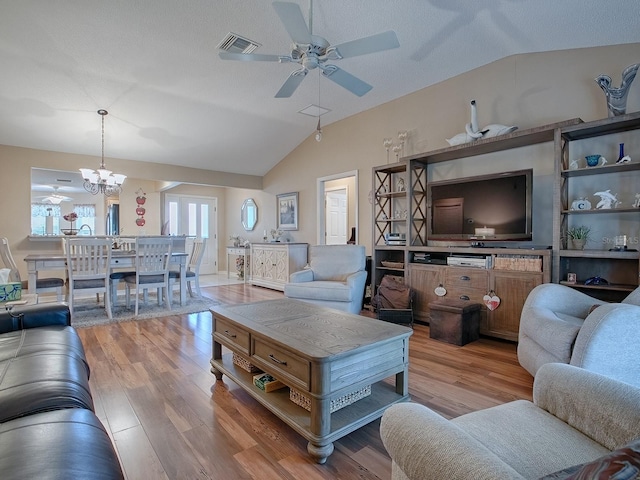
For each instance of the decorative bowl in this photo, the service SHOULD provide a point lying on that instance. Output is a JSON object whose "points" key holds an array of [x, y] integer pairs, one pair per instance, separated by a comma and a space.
{"points": [[72, 231]]}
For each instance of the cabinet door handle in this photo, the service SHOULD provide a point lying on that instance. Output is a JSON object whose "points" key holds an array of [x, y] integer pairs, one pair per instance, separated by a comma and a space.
{"points": [[229, 334], [281, 362], [464, 297], [465, 278]]}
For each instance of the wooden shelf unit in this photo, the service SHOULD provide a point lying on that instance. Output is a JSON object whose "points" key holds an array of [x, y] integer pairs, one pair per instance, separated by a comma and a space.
{"points": [[620, 268]]}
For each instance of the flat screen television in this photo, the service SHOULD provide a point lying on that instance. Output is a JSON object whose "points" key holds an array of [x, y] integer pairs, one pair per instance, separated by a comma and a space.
{"points": [[495, 207]]}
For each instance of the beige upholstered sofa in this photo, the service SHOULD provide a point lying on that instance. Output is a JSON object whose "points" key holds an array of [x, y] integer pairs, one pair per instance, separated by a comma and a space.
{"points": [[560, 324], [576, 416], [335, 278]]}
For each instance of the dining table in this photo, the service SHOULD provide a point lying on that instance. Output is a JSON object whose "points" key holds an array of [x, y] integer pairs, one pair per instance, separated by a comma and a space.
{"points": [[119, 260]]}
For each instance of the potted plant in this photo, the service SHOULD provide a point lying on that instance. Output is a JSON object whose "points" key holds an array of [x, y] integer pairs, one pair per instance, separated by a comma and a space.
{"points": [[578, 236]]}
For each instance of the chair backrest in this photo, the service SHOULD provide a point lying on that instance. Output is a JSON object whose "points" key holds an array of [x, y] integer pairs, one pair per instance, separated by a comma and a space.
{"points": [[153, 255], [8, 261], [88, 259], [197, 253], [336, 262]]}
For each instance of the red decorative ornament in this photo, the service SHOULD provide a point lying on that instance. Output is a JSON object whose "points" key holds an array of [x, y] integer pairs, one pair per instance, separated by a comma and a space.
{"points": [[140, 211], [141, 200], [140, 222], [491, 300]]}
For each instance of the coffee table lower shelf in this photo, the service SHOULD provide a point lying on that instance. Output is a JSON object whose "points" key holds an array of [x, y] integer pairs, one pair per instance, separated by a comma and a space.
{"points": [[343, 421]]}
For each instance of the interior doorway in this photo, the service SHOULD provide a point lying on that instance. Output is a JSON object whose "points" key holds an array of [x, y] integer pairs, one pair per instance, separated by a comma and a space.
{"points": [[347, 182]]}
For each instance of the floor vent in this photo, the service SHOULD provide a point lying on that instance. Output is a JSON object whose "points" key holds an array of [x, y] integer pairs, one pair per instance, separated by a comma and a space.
{"points": [[234, 43]]}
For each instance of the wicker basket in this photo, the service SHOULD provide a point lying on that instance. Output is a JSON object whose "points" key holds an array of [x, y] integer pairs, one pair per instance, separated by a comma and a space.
{"points": [[303, 401], [388, 264], [244, 364], [518, 263]]}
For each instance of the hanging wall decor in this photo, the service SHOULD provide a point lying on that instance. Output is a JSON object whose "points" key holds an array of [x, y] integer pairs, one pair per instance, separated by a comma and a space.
{"points": [[140, 210], [491, 300]]}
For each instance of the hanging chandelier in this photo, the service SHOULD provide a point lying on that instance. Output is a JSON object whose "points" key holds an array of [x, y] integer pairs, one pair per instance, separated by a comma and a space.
{"points": [[102, 180]]}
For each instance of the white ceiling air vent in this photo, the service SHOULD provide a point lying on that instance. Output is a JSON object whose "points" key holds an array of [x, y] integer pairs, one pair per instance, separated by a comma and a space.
{"points": [[234, 43]]}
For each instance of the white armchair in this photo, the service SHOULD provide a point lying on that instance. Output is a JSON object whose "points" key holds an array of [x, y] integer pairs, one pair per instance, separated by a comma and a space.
{"points": [[335, 278], [560, 324]]}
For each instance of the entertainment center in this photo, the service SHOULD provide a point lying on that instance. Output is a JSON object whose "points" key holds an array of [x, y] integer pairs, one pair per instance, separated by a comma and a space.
{"points": [[480, 260]]}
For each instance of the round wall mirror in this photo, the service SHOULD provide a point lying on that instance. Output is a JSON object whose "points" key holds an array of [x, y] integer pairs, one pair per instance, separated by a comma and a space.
{"points": [[249, 214]]}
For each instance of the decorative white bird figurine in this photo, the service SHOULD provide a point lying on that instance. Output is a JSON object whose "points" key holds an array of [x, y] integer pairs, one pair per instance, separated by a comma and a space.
{"points": [[607, 201], [617, 96], [472, 132]]}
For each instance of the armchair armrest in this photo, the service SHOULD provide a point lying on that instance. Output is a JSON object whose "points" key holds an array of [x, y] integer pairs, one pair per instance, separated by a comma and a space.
{"points": [[608, 342], [357, 278], [301, 276], [602, 408], [33, 316], [559, 299], [424, 445]]}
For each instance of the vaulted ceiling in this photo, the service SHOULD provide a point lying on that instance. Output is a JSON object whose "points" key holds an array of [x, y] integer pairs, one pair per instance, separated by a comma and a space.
{"points": [[154, 65]]}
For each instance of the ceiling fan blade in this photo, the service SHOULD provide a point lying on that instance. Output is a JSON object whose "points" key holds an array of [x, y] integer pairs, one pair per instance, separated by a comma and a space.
{"points": [[293, 21], [250, 57], [372, 44], [346, 80], [290, 85]]}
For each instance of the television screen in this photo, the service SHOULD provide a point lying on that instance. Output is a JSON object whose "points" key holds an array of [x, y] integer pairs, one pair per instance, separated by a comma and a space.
{"points": [[488, 207]]}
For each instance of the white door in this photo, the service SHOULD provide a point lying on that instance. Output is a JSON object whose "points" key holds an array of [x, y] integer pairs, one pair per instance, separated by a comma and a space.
{"points": [[336, 216], [195, 217]]}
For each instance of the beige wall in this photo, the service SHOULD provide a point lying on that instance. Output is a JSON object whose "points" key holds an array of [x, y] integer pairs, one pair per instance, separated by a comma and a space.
{"points": [[523, 90]]}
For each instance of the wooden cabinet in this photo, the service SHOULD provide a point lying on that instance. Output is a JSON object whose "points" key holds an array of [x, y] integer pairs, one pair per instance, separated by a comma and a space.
{"points": [[470, 285], [273, 263], [577, 185], [512, 288]]}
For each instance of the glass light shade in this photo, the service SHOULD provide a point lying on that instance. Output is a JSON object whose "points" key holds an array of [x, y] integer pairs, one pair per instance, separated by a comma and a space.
{"points": [[119, 178], [104, 173], [89, 174]]}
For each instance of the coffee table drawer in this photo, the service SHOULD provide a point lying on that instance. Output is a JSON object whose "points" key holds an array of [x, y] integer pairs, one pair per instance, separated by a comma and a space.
{"points": [[282, 363], [232, 336]]}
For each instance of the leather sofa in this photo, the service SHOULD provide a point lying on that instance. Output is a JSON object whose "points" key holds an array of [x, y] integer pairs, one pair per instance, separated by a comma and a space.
{"points": [[562, 324], [48, 428], [578, 422], [334, 278]]}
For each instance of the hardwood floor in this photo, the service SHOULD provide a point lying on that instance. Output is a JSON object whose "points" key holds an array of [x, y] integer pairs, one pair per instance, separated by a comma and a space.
{"points": [[170, 419]]}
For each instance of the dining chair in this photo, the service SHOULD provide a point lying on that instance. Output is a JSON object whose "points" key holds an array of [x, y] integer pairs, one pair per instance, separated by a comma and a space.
{"points": [[126, 245], [153, 255], [88, 267], [42, 284], [192, 272]]}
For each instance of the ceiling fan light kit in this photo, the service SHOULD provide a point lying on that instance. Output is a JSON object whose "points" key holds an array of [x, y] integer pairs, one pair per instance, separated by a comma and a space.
{"points": [[313, 51]]}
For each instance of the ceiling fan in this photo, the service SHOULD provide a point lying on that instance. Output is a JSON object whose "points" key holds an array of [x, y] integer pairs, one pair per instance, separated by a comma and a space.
{"points": [[313, 51], [55, 197]]}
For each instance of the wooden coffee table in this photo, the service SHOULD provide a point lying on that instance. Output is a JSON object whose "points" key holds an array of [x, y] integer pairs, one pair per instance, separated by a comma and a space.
{"points": [[324, 354]]}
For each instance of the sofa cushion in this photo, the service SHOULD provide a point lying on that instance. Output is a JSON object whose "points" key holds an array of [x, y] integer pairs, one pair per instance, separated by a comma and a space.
{"points": [[34, 341], [530, 440], [557, 332], [320, 290], [41, 382], [336, 262], [69, 443], [623, 463]]}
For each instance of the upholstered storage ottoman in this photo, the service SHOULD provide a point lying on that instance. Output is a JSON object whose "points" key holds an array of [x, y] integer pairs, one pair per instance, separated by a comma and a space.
{"points": [[454, 321]]}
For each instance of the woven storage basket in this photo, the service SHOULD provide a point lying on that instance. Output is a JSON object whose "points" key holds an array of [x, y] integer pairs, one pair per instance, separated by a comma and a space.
{"points": [[244, 364], [303, 401]]}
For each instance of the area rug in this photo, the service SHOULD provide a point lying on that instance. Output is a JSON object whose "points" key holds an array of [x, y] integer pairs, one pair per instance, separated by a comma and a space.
{"points": [[88, 313]]}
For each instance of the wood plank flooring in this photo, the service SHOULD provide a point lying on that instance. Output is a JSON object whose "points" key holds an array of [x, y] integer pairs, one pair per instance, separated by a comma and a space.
{"points": [[170, 419]]}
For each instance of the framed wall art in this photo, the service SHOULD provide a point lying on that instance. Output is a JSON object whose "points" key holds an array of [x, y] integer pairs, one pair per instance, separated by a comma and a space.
{"points": [[287, 211]]}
